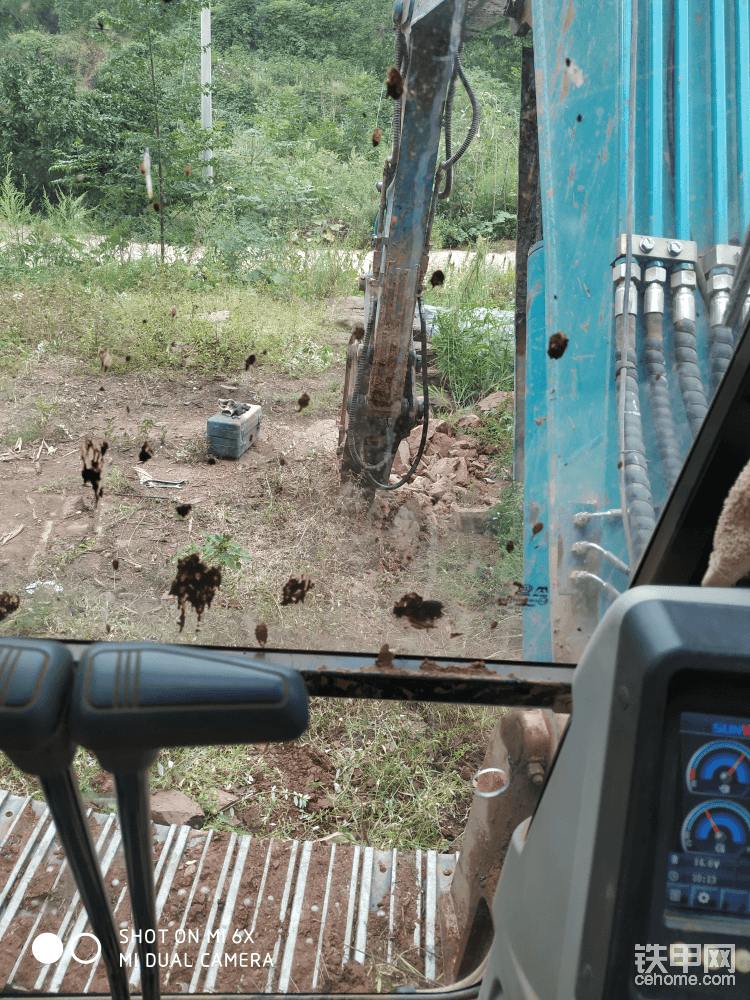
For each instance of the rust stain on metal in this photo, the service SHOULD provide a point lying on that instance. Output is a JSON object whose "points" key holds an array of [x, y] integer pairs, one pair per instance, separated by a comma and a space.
{"points": [[475, 667], [570, 15], [571, 176]]}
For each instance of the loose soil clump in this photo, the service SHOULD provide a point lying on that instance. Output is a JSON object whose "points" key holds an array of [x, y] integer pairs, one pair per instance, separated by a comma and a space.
{"points": [[420, 613], [92, 456], [8, 604], [196, 584], [296, 589]]}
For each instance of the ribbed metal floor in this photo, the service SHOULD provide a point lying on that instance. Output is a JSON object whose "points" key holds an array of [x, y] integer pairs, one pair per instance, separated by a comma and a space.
{"points": [[235, 914]]}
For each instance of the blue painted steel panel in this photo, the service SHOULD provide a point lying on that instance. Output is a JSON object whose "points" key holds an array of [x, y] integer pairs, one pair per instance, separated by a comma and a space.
{"points": [[742, 84], [537, 635], [682, 113], [582, 81], [719, 117], [656, 118]]}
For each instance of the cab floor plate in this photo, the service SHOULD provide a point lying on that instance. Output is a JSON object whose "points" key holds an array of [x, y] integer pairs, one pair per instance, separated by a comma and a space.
{"points": [[235, 914]]}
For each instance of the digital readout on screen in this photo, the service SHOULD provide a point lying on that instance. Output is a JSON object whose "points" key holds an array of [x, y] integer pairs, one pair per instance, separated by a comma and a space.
{"points": [[709, 860]]}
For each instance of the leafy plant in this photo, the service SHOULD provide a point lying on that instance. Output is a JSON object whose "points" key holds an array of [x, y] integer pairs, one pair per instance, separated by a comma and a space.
{"points": [[221, 550], [505, 521]]}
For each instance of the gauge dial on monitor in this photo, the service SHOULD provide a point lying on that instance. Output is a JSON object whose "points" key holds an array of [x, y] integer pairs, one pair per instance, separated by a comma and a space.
{"points": [[720, 768], [717, 827]]}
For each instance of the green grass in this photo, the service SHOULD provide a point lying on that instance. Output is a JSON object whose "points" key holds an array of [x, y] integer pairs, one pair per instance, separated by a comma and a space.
{"points": [[506, 524], [397, 778], [470, 352], [481, 284], [137, 327]]}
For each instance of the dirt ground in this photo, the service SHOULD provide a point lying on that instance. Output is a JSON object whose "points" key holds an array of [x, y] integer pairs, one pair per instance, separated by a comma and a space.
{"points": [[281, 503]]}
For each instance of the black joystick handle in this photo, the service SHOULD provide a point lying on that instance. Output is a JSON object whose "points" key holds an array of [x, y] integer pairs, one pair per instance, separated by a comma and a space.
{"points": [[35, 683], [130, 700]]}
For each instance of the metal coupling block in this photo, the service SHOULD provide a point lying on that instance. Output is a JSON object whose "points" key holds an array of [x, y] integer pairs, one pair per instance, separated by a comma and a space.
{"points": [[618, 272], [683, 279], [719, 283], [656, 274]]}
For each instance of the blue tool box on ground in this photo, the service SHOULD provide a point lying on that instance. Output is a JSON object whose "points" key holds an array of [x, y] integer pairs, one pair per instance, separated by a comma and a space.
{"points": [[230, 437]]}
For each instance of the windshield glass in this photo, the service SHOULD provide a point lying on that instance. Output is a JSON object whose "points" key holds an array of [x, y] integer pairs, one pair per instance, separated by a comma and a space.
{"points": [[221, 255], [371, 329]]}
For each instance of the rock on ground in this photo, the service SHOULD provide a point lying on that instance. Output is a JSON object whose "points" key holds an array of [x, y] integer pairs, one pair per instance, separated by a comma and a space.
{"points": [[169, 805], [494, 400]]}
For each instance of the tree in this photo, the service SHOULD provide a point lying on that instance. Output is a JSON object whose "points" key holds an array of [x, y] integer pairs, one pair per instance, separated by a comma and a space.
{"points": [[236, 22], [42, 114], [73, 14], [15, 16]]}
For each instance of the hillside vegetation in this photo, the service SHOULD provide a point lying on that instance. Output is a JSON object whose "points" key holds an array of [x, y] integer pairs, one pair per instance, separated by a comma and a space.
{"points": [[298, 88]]}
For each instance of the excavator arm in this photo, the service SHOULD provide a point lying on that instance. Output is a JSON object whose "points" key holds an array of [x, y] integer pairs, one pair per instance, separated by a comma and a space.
{"points": [[380, 405]]}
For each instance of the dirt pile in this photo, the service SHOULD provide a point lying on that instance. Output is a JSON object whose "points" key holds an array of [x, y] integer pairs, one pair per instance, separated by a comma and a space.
{"points": [[448, 461]]}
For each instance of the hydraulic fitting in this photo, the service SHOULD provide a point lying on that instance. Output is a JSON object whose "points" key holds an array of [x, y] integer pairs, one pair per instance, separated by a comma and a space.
{"points": [[653, 298], [683, 284], [719, 287], [618, 279]]}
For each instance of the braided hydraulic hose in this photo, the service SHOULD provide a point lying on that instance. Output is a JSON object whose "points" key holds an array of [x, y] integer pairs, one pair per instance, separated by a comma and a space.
{"points": [[399, 61], [637, 487], [448, 126], [722, 345], [446, 167], [621, 328], [476, 118], [661, 407], [686, 354], [720, 335]]}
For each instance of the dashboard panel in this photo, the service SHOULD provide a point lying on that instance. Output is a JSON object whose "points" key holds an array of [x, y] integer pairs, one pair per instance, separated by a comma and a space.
{"points": [[700, 893], [710, 870]]}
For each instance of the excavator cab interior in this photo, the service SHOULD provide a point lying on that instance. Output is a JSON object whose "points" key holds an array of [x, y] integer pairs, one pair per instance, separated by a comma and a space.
{"points": [[607, 852]]}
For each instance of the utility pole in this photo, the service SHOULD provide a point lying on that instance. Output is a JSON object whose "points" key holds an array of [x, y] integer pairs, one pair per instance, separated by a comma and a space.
{"points": [[206, 119]]}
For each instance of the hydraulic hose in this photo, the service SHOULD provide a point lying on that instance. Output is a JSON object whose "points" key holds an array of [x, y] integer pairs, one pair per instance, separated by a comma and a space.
{"points": [[448, 125], [661, 407], [362, 363], [629, 65], [447, 165], [582, 574], [397, 106], [637, 487], [720, 353], [476, 118], [583, 548], [686, 354]]}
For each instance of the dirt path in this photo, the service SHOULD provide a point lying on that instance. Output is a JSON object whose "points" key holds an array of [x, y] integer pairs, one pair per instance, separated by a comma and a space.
{"points": [[280, 503]]}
